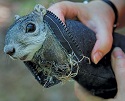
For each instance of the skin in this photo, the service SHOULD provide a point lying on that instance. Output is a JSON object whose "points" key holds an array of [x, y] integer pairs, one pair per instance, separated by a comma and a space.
{"points": [[99, 20], [118, 64]]}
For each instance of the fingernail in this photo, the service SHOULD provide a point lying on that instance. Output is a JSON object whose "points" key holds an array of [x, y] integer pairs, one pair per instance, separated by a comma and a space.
{"points": [[118, 53], [97, 56]]}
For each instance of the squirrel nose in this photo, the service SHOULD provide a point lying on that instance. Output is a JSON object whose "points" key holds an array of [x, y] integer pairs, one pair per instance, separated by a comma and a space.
{"points": [[11, 51]]}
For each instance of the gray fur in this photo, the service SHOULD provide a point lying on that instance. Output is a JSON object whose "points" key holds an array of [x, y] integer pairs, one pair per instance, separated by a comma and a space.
{"points": [[29, 43]]}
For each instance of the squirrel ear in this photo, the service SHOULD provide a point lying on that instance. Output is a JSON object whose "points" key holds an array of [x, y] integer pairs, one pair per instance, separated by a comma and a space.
{"points": [[17, 17], [39, 9]]}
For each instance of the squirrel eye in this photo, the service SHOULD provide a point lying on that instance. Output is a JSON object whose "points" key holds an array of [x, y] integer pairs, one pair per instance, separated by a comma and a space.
{"points": [[30, 28]]}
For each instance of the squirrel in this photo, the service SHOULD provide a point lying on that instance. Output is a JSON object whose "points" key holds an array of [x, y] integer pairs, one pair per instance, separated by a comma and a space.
{"points": [[30, 38], [28, 34]]}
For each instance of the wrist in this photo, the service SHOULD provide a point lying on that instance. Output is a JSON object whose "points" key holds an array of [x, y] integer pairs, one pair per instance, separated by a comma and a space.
{"points": [[110, 3], [120, 5], [104, 10]]}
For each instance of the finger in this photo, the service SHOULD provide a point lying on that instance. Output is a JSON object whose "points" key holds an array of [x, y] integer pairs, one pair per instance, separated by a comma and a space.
{"points": [[103, 43], [57, 9], [64, 10], [84, 95], [118, 65]]}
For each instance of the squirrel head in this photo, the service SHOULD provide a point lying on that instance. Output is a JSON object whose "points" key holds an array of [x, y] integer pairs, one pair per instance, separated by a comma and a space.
{"points": [[26, 35]]}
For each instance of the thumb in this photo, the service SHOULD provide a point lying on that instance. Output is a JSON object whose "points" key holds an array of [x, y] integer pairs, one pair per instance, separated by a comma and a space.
{"points": [[103, 43], [118, 65]]}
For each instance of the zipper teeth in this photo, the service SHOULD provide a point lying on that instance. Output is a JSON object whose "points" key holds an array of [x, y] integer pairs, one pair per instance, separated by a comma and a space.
{"points": [[66, 29], [63, 25]]}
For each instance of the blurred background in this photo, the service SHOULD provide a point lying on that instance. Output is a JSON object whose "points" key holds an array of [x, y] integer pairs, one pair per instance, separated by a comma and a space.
{"points": [[16, 81]]}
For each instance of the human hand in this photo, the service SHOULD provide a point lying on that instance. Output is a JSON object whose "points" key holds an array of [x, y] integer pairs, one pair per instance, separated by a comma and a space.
{"points": [[99, 20], [118, 65]]}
